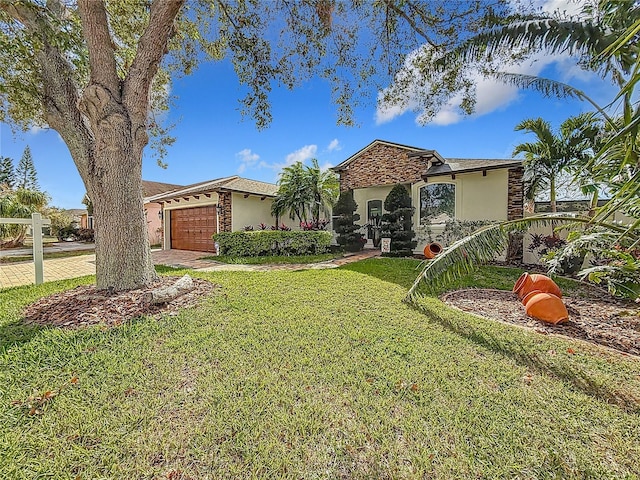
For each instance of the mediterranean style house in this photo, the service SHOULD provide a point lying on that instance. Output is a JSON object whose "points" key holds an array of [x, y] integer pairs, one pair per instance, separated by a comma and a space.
{"points": [[441, 188], [192, 214]]}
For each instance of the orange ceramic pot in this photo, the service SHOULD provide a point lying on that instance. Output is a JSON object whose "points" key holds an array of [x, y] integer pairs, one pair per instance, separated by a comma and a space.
{"points": [[530, 282], [547, 307], [432, 249], [528, 296]]}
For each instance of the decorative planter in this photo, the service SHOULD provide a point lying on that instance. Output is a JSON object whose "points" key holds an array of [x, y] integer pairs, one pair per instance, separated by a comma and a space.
{"points": [[547, 307], [528, 296], [432, 249], [535, 281]]}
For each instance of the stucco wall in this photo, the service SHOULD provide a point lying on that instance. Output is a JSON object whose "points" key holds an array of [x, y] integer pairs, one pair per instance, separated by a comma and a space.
{"points": [[364, 195], [154, 224], [193, 202], [478, 197], [253, 211]]}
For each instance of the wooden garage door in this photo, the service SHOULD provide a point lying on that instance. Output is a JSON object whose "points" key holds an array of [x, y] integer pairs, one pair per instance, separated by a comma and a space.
{"points": [[192, 228]]}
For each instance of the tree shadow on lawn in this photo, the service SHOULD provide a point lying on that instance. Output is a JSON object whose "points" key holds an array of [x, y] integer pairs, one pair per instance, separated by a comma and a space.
{"points": [[17, 333], [532, 357]]}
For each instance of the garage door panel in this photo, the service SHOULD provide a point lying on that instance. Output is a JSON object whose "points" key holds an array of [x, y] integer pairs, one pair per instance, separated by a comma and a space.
{"points": [[192, 228]]}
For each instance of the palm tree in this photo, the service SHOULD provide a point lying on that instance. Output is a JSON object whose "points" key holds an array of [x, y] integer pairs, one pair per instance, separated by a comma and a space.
{"points": [[325, 189], [554, 153], [305, 191], [294, 192], [19, 203]]}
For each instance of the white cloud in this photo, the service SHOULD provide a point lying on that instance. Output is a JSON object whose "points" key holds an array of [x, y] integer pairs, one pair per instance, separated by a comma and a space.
{"points": [[301, 155], [490, 94], [36, 129], [247, 159], [334, 145], [326, 166]]}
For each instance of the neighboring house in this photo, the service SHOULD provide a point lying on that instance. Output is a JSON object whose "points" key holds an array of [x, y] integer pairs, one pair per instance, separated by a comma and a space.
{"points": [[78, 215], [194, 213], [441, 188], [152, 210]]}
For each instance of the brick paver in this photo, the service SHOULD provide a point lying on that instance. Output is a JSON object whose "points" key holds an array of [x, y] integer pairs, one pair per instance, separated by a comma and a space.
{"points": [[15, 274], [23, 273]]}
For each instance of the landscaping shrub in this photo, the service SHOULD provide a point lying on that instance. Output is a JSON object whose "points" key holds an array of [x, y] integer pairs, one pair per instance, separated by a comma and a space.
{"points": [[67, 232], [272, 242], [85, 235], [397, 223], [344, 218]]}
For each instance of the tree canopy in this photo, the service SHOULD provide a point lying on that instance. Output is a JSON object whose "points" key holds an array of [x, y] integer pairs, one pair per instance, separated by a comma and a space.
{"points": [[98, 72]]}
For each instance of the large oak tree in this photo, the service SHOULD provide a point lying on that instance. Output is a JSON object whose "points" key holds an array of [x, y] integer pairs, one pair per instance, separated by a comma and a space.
{"points": [[96, 71]]}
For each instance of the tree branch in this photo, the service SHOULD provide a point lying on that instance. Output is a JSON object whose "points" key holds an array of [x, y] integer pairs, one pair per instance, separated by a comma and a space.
{"points": [[102, 62], [151, 49], [60, 95]]}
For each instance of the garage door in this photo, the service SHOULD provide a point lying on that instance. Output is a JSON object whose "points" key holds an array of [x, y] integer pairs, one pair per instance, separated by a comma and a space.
{"points": [[192, 228]]}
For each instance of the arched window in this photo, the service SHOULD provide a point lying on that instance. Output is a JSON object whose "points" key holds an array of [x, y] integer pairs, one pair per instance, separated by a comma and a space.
{"points": [[437, 203]]}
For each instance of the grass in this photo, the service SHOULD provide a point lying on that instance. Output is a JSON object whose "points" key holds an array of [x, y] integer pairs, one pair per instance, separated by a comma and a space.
{"points": [[46, 256], [313, 374], [275, 260]]}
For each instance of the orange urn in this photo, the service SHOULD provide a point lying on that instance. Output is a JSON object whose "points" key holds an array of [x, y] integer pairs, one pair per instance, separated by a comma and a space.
{"points": [[432, 249], [535, 281], [528, 296], [546, 307]]}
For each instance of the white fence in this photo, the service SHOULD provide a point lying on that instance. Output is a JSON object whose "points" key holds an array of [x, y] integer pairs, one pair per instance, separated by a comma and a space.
{"points": [[37, 222]]}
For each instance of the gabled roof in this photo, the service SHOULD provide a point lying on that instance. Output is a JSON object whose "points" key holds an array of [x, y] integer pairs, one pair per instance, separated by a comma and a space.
{"points": [[227, 184], [468, 165], [343, 165], [438, 164], [149, 188]]}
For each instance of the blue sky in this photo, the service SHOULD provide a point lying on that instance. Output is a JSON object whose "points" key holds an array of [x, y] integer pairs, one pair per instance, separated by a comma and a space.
{"points": [[213, 140]]}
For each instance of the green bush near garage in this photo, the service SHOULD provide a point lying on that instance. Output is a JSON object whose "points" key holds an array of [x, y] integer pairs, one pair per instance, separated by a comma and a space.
{"points": [[272, 242]]}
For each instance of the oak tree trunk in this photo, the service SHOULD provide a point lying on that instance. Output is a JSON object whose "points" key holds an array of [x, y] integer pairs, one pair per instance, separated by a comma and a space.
{"points": [[123, 256]]}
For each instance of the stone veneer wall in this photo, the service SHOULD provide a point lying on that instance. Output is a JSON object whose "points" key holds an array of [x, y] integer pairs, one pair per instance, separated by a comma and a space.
{"points": [[515, 210], [224, 211], [515, 198], [382, 165]]}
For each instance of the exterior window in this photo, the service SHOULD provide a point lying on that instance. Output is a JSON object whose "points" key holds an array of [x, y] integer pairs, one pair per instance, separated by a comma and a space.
{"points": [[437, 203]]}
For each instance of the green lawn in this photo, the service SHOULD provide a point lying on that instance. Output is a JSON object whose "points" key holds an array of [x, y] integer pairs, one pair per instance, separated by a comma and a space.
{"points": [[313, 374], [265, 260]]}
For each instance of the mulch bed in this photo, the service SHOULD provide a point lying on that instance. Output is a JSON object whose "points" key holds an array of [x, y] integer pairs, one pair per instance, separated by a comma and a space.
{"points": [[86, 305], [595, 318]]}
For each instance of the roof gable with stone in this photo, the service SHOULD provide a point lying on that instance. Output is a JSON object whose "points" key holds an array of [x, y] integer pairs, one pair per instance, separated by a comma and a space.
{"points": [[386, 163]]}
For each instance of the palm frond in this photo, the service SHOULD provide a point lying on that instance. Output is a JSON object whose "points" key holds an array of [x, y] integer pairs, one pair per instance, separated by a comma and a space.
{"points": [[465, 255], [548, 88], [533, 34]]}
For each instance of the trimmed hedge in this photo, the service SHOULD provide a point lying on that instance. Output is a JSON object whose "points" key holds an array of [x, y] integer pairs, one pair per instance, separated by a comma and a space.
{"points": [[272, 242]]}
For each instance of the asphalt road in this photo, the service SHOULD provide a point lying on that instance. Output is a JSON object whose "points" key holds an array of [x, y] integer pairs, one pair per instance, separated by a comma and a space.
{"points": [[48, 248]]}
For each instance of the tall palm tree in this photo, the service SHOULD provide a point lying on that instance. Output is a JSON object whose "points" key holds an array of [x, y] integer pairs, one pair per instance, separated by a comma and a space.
{"points": [[553, 154], [306, 191], [294, 192], [325, 189]]}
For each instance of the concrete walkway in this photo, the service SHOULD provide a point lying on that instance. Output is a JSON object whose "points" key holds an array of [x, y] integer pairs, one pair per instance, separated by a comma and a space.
{"points": [[23, 273]]}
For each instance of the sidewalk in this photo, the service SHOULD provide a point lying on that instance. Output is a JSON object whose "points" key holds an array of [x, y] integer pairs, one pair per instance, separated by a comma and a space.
{"points": [[22, 273]]}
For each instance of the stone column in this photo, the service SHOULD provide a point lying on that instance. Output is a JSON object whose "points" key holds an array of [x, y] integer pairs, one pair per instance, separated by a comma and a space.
{"points": [[515, 211]]}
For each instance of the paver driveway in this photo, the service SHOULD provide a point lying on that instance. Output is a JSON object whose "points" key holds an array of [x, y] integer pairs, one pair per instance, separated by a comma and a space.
{"points": [[22, 273]]}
